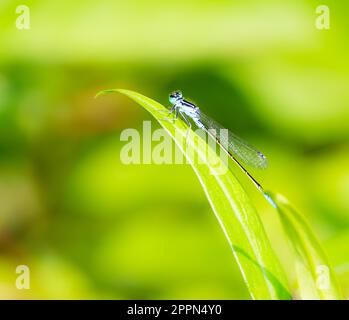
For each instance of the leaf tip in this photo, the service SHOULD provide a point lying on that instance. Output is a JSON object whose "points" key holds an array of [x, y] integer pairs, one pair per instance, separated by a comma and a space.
{"points": [[107, 91]]}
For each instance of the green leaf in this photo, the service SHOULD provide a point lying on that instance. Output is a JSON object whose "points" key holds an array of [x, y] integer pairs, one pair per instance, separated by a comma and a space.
{"points": [[239, 220], [314, 275]]}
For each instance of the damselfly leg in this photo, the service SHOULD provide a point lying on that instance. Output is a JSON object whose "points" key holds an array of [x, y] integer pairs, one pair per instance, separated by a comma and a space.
{"points": [[168, 113]]}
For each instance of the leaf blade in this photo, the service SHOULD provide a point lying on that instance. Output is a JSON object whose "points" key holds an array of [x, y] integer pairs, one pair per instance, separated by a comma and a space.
{"points": [[240, 222], [315, 276]]}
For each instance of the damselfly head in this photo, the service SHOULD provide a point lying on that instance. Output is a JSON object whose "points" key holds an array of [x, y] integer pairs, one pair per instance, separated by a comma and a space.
{"points": [[175, 96]]}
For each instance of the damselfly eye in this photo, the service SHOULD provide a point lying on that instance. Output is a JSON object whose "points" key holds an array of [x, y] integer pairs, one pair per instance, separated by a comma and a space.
{"points": [[174, 96], [178, 94]]}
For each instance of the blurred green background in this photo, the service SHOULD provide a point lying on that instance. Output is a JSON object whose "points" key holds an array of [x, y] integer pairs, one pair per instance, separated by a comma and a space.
{"points": [[90, 227]]}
